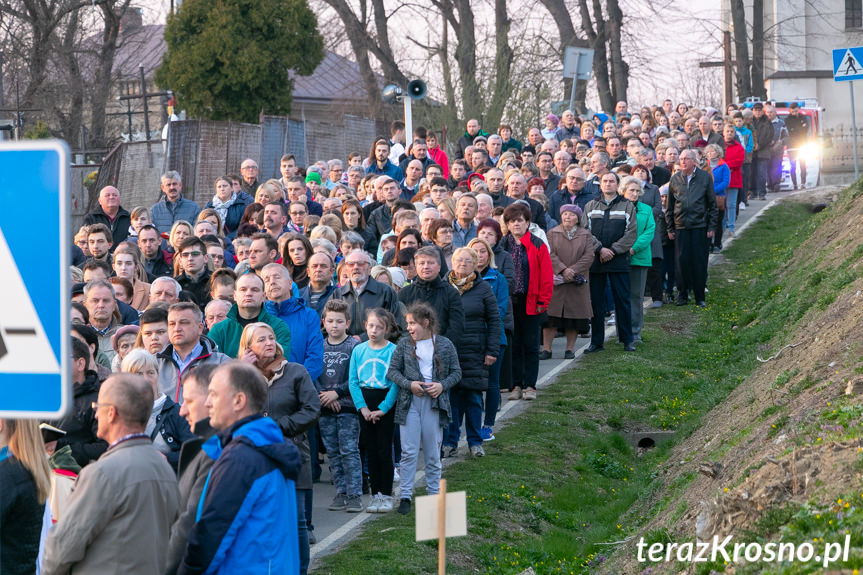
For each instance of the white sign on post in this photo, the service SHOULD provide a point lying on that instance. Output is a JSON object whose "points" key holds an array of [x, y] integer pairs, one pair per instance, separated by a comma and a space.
{"points": [[427, 515]]}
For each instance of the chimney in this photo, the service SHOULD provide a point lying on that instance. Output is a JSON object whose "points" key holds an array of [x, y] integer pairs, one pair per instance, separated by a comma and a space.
{"points": [[132, 18]]}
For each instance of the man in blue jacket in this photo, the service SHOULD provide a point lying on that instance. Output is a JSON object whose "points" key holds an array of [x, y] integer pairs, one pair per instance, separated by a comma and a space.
{"points": [[307, 342], [247, 516]]}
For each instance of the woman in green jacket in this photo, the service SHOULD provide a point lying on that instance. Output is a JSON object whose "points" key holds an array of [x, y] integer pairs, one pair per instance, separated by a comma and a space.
{"points": [[640, 257]]}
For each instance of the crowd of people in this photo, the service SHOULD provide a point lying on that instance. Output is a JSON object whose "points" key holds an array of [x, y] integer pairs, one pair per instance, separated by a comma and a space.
{"points": [[363, 309]]}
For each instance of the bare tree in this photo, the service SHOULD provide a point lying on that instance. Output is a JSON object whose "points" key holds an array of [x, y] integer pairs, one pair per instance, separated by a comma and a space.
{"points": [[741, 49], [112, 12], [758, 88]]}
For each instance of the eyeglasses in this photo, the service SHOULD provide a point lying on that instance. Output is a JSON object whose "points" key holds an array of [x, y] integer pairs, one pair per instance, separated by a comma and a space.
{"points": [[354, 264], [191, 254], [249, 168], [96, 405]]}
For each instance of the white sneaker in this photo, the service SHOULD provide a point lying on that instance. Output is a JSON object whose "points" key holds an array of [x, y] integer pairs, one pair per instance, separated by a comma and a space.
{"points": [[386, 504], [396, 477], [374, 504]]}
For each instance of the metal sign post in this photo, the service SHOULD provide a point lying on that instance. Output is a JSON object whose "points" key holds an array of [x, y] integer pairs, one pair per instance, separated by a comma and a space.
{"points": [[577, 64], [847, 67], [854, 132]]}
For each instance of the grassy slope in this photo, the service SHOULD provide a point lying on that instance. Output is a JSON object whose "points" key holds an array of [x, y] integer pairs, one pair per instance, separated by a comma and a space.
{"points": [[559, 480]]}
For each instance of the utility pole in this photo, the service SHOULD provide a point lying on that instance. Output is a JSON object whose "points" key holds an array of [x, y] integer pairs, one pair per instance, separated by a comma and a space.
{"points": [[728, 64]]}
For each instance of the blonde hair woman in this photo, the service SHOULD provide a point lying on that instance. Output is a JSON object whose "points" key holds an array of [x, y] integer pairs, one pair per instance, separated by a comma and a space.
{"points": [[293, 402], [26, 480]]}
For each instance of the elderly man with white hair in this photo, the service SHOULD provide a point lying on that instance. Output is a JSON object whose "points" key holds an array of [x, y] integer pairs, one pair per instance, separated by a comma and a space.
{"points": [[691, 217], [568, 129], [111, 213], [165, 289]]}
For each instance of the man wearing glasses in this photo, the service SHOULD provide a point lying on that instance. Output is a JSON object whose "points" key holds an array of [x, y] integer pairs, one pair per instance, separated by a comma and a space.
{"points": [[573, 192], [125, 501], [249, 172], [194, 277], [363, 292]]}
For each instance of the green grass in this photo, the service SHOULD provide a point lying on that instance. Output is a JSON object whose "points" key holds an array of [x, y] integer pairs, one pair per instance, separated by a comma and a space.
{"points": [[560, 480]]}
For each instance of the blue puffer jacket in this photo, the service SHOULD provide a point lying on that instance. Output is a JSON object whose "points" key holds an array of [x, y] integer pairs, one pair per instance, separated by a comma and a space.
{"points": [[247, 515], [307, 342], [501, 293]]}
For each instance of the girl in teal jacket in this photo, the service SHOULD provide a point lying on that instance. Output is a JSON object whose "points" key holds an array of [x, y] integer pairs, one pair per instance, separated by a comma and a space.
{"points": [[640, 257]]}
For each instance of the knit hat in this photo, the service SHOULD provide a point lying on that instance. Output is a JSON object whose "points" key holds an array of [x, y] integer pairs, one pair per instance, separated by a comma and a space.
{"points": [[313, 177], [572, 208], [126, 329], [554, 119]]}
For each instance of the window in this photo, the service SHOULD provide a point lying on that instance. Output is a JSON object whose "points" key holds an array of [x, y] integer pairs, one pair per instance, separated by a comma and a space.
{"points": [[853, 14]]}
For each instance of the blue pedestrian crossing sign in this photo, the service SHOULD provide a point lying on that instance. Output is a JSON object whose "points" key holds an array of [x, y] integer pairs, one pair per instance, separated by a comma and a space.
{"points": [[848, 64], [34, 268]]}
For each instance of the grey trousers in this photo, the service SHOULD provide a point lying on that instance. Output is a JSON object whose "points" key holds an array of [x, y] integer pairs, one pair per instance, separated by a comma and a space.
{"points": [[637, 279], [421, 429]]}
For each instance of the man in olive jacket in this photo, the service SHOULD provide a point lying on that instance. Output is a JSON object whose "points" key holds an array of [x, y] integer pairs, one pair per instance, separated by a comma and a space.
{"points": [[194, 465], [691, 217]]}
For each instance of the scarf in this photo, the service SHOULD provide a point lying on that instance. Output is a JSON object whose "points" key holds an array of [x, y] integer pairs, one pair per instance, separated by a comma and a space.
{"points": [[571, 233], [461, 284], [272, 367], [222, 207], [518, 253]]}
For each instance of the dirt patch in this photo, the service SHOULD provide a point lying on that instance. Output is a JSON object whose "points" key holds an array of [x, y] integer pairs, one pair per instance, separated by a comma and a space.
{"points": [[760, 448]]}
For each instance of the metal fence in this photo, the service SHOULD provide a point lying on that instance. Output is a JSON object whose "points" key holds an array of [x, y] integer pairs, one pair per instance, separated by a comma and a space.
{"points": [[837, 149], [133, 168], [202, 150], [280, 136]]}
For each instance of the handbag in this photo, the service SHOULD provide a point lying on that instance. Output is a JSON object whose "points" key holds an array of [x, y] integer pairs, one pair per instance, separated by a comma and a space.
{"points": [[720, 203]]}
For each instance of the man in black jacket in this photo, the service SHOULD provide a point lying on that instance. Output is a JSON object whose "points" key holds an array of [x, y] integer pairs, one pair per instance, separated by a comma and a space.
{"points": [[691, 217], [611, 219], [194, 277], [798, 133], [80, 423], [111, 213], [516, 189], [439, 294], [150, 242], [364, 292], [762, 129]]}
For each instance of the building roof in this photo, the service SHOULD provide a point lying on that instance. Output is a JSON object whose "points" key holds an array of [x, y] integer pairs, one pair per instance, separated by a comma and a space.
{"points": [[335, 79], [140, 45]]}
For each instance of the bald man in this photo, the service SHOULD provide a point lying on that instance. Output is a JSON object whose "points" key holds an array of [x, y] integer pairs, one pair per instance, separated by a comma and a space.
{"points": [[110, 213]]}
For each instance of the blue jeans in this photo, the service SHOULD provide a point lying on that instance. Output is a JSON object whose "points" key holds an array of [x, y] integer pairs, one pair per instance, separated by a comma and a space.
{"points": [[302, 531], [492, 394], [730, 211], [341, 435], [619, 284], [465, 403]]}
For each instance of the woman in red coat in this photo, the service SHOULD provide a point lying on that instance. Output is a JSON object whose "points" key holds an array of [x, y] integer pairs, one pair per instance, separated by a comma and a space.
{"points": [[531, 294], [734, 156]]}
